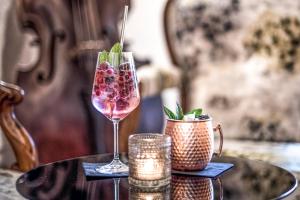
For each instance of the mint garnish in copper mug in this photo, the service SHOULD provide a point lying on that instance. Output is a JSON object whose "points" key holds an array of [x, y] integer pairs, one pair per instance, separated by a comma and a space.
{"points": [[195, 114]]}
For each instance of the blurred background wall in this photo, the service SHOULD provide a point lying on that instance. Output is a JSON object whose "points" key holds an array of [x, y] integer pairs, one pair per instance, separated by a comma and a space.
{"points": [[145, 31], [145, 34]]}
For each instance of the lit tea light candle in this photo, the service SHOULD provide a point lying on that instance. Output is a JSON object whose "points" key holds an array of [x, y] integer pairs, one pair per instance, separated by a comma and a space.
{"points": [[150, 169], [149, 160]]}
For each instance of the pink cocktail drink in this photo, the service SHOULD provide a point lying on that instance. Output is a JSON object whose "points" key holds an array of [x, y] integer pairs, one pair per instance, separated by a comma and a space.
{"points": [[115, 92]]}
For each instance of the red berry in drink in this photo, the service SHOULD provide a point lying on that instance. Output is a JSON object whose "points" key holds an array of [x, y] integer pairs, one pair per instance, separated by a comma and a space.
{"points": [[109, 80], [121, 73], [124, 66], [129, 83], [104, 66], [124, 93], [121, 68], [121, 104], [111, 96], [109, 71], [102, 86], [99, 80], [121, 79]]}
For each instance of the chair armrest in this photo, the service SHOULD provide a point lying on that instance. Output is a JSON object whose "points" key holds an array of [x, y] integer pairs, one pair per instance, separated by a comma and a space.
{"points": [[19, 139]]}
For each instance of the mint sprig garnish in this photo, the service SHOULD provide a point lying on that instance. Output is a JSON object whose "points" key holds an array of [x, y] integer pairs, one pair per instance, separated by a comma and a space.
{"points": [[117, 48], [179, 112], [114, 57], [103, 56], [197, 112], [179, 115], [169, 113]]}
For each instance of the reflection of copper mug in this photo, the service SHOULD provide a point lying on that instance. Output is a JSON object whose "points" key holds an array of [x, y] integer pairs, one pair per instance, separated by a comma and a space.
{"points": [[192, 143], [192, 188]]}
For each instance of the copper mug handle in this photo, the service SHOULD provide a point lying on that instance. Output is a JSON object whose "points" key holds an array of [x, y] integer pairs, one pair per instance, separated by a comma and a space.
{"points": [[219, 129]]}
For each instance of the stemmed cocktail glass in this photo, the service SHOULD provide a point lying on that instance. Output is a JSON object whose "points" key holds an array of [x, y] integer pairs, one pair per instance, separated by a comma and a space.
{"points": [[115, 94]]}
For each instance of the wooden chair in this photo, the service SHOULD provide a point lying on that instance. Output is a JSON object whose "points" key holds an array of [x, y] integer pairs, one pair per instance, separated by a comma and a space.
{"points": [[66, 36], [17, 136], [170, 32], [247, 71]]}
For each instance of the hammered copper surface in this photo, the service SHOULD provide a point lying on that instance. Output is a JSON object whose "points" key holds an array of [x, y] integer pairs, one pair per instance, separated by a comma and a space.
{"points": [[192, 143], [190, 188]]}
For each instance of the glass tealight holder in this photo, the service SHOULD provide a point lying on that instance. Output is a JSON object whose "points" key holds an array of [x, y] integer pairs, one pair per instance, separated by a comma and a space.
{"points": [[149, 160]]}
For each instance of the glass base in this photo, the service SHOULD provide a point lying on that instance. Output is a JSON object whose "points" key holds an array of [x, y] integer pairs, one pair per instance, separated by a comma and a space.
{"points": [[116, 166]]}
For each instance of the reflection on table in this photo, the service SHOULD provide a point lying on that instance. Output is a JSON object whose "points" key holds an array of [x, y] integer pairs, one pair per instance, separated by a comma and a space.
{"points": [[246, 180]]}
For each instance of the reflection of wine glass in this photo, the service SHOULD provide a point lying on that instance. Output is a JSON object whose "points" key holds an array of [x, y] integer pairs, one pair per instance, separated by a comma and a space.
{"points": [[116, 188], [115, 94]]}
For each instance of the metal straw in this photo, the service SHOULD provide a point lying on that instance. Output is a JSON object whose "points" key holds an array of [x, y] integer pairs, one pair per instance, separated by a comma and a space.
{"points": [[123, 25]]}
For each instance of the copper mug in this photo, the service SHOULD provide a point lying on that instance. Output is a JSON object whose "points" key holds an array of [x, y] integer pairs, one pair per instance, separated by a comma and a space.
{"points": [[192, 143]]}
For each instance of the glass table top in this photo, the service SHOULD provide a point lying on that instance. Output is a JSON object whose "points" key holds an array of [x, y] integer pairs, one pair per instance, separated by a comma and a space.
{"points": [[248, 179]]}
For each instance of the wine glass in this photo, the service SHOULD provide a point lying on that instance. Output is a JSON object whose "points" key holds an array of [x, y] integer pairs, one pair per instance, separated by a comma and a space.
{"points": [[115, 94]]}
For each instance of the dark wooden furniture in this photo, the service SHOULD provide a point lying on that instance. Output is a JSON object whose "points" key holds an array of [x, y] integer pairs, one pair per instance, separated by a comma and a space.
{"points": [[57, 109], [19, 139], [248, 179]]}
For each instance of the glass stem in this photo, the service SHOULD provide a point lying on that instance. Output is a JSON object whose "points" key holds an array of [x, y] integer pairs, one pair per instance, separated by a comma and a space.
{"points": [[116, 139]]}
